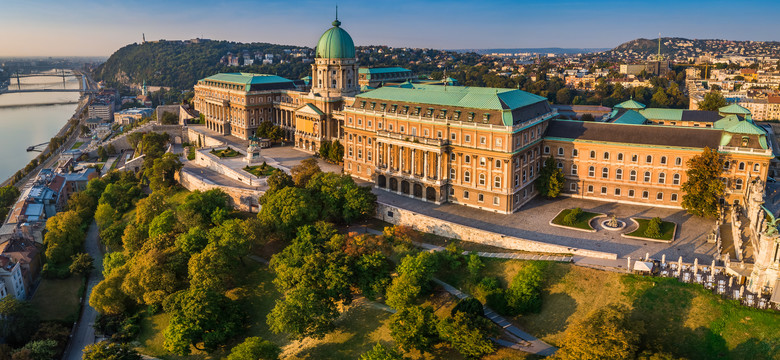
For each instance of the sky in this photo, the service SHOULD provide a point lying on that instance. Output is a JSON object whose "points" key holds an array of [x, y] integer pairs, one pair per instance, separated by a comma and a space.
{"points": [[98, 28]]}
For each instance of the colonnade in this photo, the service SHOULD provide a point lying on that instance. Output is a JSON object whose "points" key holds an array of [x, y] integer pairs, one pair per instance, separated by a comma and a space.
{"points": [[413, 161]]}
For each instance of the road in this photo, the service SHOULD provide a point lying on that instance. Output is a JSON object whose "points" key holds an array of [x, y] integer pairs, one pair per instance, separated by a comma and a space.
{"points": [[84, 334]]}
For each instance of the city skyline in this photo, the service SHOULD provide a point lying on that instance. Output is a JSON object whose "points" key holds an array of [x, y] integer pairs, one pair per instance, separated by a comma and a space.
{"points": [[98, 29]]}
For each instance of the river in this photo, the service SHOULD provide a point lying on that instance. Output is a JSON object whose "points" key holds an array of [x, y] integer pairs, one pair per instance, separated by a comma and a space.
{"points": [[24, 122]]}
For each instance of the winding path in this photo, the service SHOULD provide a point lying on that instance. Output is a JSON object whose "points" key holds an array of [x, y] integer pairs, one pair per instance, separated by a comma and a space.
{"points": [[84, 333]]}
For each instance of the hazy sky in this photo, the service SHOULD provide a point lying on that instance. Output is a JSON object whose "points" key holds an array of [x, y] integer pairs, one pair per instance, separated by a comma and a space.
{"points": [[87, 27]]}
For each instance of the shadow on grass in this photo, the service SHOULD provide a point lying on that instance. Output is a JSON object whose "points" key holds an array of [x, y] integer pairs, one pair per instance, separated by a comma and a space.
{"points": [[663, 306]]}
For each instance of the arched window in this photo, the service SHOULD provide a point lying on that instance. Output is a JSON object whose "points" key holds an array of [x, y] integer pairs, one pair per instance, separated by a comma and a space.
{"points": [[466, 176], [498, 164], [620, 157], [560, 151], [647, 176], [574, 169], [659, 196], [741, 166], [678, 161], [546, 149], [661, 178], [606, 155], [726, 165], [663, 160], [592, 154], [739, 184], [756, 167], [676, 179], [497, 182], [591, 171], [632, 175], [649, 159], [619, 174], [467, 159], [645, 194], [560, 165], [604, 173], [482, 179]]}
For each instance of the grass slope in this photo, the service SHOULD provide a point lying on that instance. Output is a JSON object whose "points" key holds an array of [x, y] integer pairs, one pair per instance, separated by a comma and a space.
{"points": [[58, 299]]}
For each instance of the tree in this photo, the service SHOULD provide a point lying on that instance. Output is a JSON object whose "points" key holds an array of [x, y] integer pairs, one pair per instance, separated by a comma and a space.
{"points": [[106, 350], [113, 260], [105, 216], [148, 208], [587, 117], [468, 335], [200, 316], [102, 153], [304, 171], [107, 296], [193, 241], [381, 352], [324, 150], [572, 217], [18, 320], [154, 273], [703, 188], [372, 274], [470, 306], [161, 174], [198, 208], [563, 96], [278, 180], [162, 224], [303, 312], [524, 293], [550, 182], [169, 118], [414, 274], [659, 99], [474, 264], [712, 101], [339, 198], [336, 152], [41, 349], [414, 327], [605, 334], [653, 229], [254, 348], [82, 264], [287, 209], [64, 236]]}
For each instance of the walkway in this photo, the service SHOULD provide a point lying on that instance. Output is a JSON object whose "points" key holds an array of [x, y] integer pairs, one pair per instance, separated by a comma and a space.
{"points": [[530, 344], [507, 255], [84, 334]]}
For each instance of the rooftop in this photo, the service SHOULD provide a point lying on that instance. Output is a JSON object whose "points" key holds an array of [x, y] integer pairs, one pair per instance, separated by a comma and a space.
{"points": [[382, 70], [247, 78], [654, 135], [459, 96]]}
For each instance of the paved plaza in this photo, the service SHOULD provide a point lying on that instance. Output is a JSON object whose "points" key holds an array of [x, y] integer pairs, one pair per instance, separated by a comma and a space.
{"points": [[532, 222]]}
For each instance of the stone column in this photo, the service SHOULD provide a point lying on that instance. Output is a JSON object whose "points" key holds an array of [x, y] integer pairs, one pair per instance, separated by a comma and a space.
{"points": [[425, 165], [438, 163], [414, 164]]}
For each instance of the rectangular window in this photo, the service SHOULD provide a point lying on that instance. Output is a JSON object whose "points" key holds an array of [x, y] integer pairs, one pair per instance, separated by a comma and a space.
{"points": [[617, 191], [603, 190], [465, 194], [481, 198], [496, 200], [468, 138], [631, 193]]}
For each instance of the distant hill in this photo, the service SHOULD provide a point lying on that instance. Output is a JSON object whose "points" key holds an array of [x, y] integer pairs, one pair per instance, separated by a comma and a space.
{"points": [[682, 48], [180, 64], [551, 50]]}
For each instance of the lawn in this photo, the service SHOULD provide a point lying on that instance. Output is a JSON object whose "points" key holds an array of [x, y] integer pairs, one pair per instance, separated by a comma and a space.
{"points": [[583, 221], [226, 153], [667, 230], [262, 170], [58, 299], [683, 319], [77, 145]]}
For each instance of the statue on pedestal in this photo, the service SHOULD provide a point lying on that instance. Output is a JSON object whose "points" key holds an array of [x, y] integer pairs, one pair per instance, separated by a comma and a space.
{"points": [[253, 151]]}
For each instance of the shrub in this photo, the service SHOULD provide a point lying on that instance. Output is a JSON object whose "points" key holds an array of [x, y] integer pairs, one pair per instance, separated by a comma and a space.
{"points": [[572, 217], [653, 228], [469, 306]]}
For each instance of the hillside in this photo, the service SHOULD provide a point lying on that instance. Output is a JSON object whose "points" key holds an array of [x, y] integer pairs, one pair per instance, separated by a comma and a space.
{"points": [[180, 64], [682, 48]]}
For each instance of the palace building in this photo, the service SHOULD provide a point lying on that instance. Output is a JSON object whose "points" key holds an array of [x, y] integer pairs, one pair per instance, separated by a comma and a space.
{"points": [[480, 147]]}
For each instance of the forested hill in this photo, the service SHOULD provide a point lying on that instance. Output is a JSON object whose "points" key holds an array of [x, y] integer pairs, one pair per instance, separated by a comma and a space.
{"points": [[180, 64], [681, 48]]}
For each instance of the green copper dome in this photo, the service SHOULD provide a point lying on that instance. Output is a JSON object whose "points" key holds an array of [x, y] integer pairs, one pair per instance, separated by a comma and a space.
{"points": [[336, 44]]}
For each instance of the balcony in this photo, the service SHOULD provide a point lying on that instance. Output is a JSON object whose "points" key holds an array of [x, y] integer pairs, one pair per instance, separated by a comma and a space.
{"points": [[745, 150], [411, 138]]}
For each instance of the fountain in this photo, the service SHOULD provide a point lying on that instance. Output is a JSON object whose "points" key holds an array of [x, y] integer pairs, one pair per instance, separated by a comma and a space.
{"points": [[613, 224]]}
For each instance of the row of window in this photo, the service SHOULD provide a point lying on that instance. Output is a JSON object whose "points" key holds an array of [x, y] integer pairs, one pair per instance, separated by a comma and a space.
{"points": [[419, 111], [631, 194], [632, 176], [480, 197], [439, 134], [481, 178], [606, 156]]}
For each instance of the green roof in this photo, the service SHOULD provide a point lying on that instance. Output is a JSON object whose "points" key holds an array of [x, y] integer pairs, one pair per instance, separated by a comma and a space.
{"points": [[459, 96], [382, 70], [734, 109], [727, 122], [311, 109], [630, 117], [662, 114], [247, 78], [630, 104], [336, 43], [366, 88]]}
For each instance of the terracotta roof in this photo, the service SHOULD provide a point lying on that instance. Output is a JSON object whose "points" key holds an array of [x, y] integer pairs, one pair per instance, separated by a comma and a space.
{"points": [[635, 134]]}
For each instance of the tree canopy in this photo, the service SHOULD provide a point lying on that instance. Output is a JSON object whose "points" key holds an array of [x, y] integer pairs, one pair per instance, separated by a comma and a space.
{"points": [[703, 188]]}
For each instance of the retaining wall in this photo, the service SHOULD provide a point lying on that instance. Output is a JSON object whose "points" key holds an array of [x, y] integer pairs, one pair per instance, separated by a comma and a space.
{"points": [[420, 222], [204, 159], [241, 199]]}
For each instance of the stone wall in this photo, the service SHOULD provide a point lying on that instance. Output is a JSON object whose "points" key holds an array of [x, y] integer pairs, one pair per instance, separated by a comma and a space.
{"points": [[206, 141], [399, 216], [241, 199], [204, 159]]}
